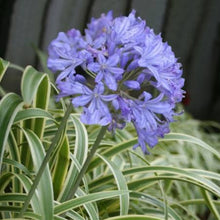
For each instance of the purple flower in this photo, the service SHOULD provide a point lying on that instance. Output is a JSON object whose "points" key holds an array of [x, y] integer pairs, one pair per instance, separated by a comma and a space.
{"points": [[152, 52], [65, 42], [69, 86], [145, 112], [100, 26], [63, 56], [96, 110], [132, 84], [107, 69], [148, 121], [131, 75], [94, 46], [151, 138], [127, 29]]}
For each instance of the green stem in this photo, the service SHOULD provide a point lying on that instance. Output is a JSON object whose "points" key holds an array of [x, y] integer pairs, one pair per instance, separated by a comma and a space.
{"points": [[90, 73], [46, 159], [2, 92], [16, 67], [86, 163], [164, 197], [128, 75], [210, 204]]}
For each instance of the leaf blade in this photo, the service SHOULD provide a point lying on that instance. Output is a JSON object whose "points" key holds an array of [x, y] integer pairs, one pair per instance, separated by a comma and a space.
{"points": [[9, 106], [121, 184], [3, 67], [45, 189], [73, 203]]}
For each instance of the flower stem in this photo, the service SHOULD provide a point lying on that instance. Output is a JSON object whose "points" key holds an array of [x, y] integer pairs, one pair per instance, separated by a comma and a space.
{"points": [[16, 67], [87, 161], [46, 159]]}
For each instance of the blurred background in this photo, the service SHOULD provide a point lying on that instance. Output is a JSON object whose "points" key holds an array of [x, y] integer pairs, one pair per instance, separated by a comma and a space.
{"points": [[192, 28]]}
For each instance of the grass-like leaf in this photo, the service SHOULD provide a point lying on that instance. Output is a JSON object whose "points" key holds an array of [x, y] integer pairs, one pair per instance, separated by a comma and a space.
{"points": [[35, 201], [73, 203], [80, 152], [3, 67], [121, 184], [114, 150], [81, 142], [148, 199], [9, 106], [90, 207], [61, 166], [190, 139], [171, 172], [30, 113], [210, 204], [44, 189], [20, 166], [31, 80], [73, 171], [135, 217], [41, 100]]}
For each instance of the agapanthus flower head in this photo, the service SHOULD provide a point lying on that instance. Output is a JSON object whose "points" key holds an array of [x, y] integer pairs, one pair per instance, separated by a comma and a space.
{"points": [[128, 75]]}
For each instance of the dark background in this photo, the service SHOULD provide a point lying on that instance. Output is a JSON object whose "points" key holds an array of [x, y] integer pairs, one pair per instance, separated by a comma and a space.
{"points": [[191, 27]]}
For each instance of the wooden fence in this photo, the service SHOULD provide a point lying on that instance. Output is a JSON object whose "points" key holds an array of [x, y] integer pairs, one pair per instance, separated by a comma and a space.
{"points": [[191, 27]]}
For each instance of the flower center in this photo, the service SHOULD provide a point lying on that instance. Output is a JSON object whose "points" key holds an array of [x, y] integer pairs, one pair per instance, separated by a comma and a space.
{"points": [[103, 66], [96, 95]]}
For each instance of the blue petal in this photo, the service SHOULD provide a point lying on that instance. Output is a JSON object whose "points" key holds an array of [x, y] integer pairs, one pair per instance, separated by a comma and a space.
{"points": [[139, 49], [94, 67], [111, 82], [58, 64], [146, 95], [116, 70], [94, 117], [89, 118], [101, 58], [108, 98], [67, 72], [99, 42], [93, 105], [160, 108], [102, 107], [113, 60], [80, 78], [99, 88], [141, 78], [99, 77], [106, 120], [88, 38], [81, 100], [121, 25], [132, 84], [115, 104], [87, 91]]}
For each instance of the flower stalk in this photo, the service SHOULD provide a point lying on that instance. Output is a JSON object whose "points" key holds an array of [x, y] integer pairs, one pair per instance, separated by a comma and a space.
{"points": [[87, 161]]}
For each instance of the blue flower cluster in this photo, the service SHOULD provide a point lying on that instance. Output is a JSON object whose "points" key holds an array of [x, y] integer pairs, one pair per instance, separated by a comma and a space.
{"points": [[132, 75]]}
